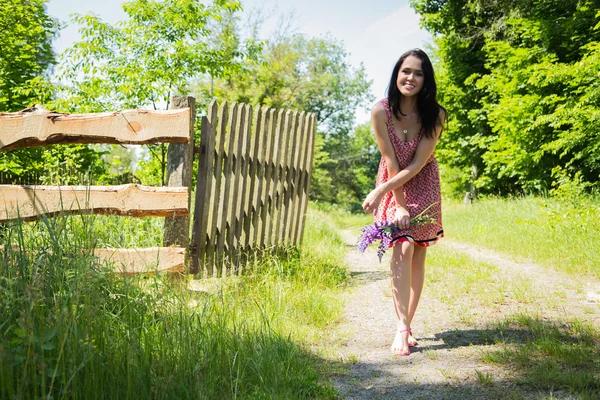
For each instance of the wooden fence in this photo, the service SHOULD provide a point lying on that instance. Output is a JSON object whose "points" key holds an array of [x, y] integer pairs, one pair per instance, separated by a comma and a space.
{"points": [[253, 183], [252, 188], [40, 127]]}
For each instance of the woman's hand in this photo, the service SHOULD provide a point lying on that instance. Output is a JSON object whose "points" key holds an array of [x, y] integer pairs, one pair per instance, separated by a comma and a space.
{"points": [[402, 217], [371, 203]]}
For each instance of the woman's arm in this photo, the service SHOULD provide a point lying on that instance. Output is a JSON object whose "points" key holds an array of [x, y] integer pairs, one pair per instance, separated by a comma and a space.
{"points": [[379, 121], [422, 154]]}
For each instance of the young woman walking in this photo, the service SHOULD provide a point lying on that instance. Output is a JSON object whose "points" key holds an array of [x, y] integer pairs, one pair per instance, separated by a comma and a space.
{"points": [[407, 125]]}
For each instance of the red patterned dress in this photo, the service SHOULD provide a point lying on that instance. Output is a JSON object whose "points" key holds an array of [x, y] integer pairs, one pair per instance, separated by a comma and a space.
{"points": [[420, 192]]}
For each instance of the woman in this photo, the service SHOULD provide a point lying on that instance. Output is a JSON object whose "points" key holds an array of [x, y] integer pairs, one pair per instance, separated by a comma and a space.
{"points": [[407, 125]]}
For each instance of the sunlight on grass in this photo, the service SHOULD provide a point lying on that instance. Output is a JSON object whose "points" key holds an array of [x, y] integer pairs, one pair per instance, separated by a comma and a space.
{"points": [[452, 276], [71, 328], [552, 356], [544, 230]]}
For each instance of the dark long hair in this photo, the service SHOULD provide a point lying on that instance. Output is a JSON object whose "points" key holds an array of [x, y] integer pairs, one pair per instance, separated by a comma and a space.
{"points": [[427, 105]]}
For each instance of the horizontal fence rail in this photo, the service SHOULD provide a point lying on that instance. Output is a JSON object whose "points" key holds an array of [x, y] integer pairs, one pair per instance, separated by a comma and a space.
{"points": [[29, 202], [40, 127], [253, 182]]}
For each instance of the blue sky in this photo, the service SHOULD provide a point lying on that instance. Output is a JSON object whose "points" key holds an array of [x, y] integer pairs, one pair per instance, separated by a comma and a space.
{"points": [[374, 33]]}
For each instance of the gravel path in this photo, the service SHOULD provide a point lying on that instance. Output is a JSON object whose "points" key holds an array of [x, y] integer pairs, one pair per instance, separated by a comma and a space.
{"points": [[447, 363]]}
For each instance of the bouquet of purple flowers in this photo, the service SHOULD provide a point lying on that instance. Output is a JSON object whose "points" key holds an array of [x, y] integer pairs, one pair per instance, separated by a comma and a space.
{"points": [[385, 231], [382, 231]]}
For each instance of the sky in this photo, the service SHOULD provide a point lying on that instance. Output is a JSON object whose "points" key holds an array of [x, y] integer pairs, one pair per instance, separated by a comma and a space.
{"points": [[374, 33]]}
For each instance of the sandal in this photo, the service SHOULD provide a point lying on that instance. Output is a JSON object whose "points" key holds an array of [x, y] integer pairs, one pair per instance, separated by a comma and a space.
{"points": [[407, 351], [415, 341]]}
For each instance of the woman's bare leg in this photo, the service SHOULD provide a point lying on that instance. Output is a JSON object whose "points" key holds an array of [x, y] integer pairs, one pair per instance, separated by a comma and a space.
{"points": [[400, 271], [416, 285]]}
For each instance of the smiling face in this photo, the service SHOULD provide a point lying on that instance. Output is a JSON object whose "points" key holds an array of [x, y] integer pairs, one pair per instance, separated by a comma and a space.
{"points": [[410, 76]]}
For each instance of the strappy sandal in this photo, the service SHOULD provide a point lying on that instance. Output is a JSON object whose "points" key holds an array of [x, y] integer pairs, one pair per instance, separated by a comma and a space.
{"points": [[407, 351], [412, 344]]}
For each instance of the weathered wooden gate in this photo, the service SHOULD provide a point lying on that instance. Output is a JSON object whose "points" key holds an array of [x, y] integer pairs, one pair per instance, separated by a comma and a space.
{"points": [[253, 183]]}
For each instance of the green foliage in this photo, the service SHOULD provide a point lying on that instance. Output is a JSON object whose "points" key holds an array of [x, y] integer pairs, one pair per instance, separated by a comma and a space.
{"points": [[313, 75], [151, 56], [73, 329], [26, 56], [350, 169], [520, 83], [309, 74]]}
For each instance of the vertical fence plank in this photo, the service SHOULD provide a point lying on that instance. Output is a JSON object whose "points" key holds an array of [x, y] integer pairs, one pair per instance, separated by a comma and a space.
{"points": [[204, 186], [214, 227], [250, 223], [299, 175], [261, 135], [289, 184], [264, 178], [273, 177], [225, 204], [281, 181], [180, 161], [235, 197], [243, 194], [308, 168]]}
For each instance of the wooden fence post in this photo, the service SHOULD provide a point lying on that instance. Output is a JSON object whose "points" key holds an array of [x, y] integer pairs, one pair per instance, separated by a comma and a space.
{"points": [[180, 161]]}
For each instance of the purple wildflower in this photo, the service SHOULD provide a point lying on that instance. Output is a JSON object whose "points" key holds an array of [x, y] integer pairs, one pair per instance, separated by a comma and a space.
{"points": [[382, 231], [386, 231]]}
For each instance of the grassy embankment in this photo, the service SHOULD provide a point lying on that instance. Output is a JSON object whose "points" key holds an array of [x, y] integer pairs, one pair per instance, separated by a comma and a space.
{"points": [[535, 335], [70, 329]]}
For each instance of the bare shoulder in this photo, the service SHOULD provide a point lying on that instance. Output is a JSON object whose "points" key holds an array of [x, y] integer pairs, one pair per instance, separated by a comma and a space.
{"points": [[439, 126], [442, 116], [378, 111]]}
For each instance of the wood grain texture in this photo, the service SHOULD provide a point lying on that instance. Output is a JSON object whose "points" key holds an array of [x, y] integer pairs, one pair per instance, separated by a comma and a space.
{"points": [[146, 260], [214, 230], [308, 171], [42, 128], [28, 202], [226, 203], [204, 186], [180, 162], [251, 222], [290, 167], [298, 163]]}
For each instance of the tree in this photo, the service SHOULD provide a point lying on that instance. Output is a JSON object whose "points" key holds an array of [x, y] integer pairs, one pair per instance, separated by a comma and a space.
{"points": [[26, 57], [26, 60], [313, 75], [517, 78], [310, 74], [154, 54]]}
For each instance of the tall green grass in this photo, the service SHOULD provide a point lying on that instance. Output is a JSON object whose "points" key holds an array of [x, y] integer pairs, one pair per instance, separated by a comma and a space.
{"points": [[72, 329], [562, 234]]}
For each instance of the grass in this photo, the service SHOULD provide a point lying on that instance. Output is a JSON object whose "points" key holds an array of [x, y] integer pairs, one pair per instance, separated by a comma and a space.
{"points": [[561, 234], [553, 355], [72, 329]]}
